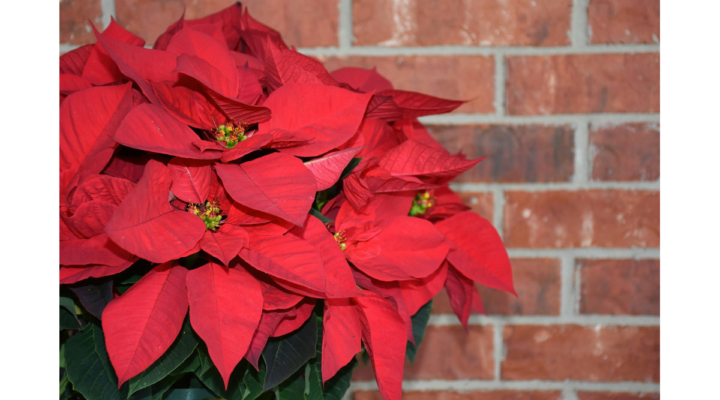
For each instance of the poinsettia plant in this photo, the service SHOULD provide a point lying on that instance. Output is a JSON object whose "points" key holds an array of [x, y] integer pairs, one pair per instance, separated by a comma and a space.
{"points": [[237, 222]]}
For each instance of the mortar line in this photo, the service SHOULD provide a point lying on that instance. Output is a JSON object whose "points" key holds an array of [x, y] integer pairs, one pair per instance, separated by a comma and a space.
{"points": [[471, 385], [498, 349], [64, 48], [569, 394], [635, 253], [547, 320], [548, 186], [581, 174], [345, 25], [557, 119], [477, 51], [577, 292], [499, 84], [498, 209], [578, 24], [108, 10], [567, 301]]}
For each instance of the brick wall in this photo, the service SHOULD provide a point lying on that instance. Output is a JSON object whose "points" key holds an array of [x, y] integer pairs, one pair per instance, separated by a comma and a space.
{"points": [[564, 102]]}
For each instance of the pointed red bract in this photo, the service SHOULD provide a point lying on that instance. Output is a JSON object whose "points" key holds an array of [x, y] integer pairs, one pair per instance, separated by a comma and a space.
{"points": [[460, 290], [276, 184], [342, 332], [364, 80], [146, 225], [141, 324], [225, 243], [327, 116], [295, 318], [75, 273], [225, 309], [283, 66], [383, 333], [414, 159], [477, 250], [417, 293], [191, 179], [327, 169]]}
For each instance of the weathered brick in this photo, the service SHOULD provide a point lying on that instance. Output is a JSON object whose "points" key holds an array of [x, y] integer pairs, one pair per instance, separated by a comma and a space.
{"points": [[624, 21], [585, 218], [585, 353], [297, 20], [447, 352], [481, 203], [515, 153], [537, 282], [619, 287], [473, 23], [478, 395], [583, 83], [74, 16], [453, 77], [617, 396], [629, 152]]}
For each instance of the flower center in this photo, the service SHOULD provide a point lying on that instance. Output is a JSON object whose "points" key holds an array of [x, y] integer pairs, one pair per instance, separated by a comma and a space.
{"points": [[340, 239], [208, 212], [423, 201], [230, 134]]}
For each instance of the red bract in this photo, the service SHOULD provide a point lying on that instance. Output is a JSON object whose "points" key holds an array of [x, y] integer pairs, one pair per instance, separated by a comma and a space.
{"points": [[243, 180]]}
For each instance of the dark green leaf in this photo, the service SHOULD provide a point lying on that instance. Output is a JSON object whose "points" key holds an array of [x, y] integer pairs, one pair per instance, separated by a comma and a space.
{"points": [[287, 354], [88, 365], [253, 381], [68, 304], [419, 323], [315, 213], [190, 394], [68, 320], [292, 389], [175, 356], [210, 377], [350, 167], [94, 295]]}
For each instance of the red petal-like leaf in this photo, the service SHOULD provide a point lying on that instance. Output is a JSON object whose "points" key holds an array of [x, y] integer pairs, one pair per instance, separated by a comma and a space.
{"points": [[191, 42], [477, 250], [288, 258], [76, 273], [149, 127], [327, 116], [191, 179], [187, 105], [383, 333], [406, 248], [418, 292], [283, 66], [74, 61], [146, 225], [225, 309], [295, 318], [414, 105], [276, 184], [460, 291], [225, 243], [327, 169], [364, 80], [83, 118], [265, 328], [277, 298], [413, 158], [342, 332], [142, 323]]}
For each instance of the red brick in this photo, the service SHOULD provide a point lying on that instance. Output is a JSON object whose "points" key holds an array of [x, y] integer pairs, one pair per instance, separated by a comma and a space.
{"points": [[583, 83], [617, 396], [74, 16], [586, 218], [447, 352], [537, 282], [479, 395], [515, 153], [454, 77], [474, 23], [624, 21], [297, 20], [629, 152], [481, 203], [583, 353], [620, 287]]}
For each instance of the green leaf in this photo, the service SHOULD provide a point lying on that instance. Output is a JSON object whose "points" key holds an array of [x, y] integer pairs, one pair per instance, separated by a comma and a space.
{"points": [[287, 354], [68, 304], [68, 315], [292, 389], [315, 213], [210, 377], [253, 381], [350, 167], [190, 394], [419, 323], [173, 358], [88, 365]]}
